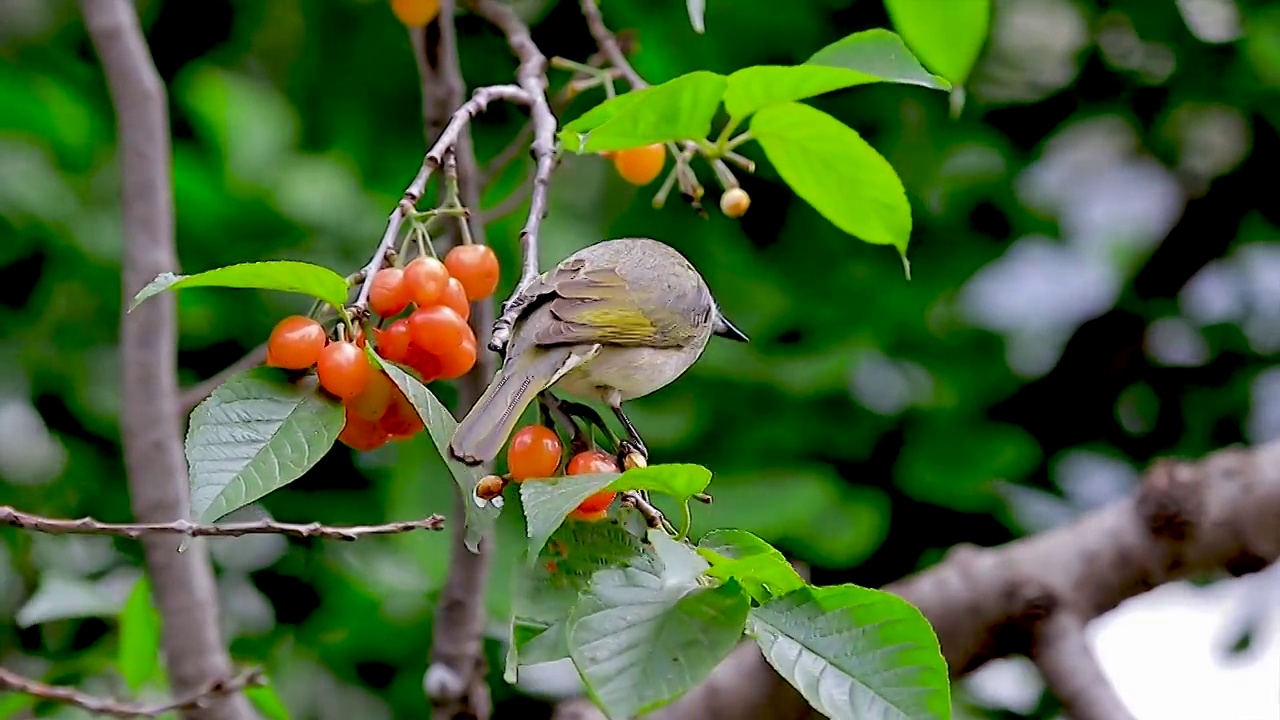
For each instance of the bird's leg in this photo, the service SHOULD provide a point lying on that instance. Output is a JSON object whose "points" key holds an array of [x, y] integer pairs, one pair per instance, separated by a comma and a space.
{"points": [[568, 411], [631, 451]]}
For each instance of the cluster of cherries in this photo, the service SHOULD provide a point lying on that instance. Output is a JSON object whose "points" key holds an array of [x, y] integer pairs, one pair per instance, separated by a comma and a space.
{"points": [[642, 165], [432, 339], [535, 452]]}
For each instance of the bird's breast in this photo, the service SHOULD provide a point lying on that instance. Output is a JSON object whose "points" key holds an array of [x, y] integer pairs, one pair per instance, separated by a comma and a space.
{"points": [[633, 371]]}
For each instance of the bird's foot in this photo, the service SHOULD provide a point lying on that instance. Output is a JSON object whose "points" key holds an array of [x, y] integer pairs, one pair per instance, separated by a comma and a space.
{"points": [[632, 454]]}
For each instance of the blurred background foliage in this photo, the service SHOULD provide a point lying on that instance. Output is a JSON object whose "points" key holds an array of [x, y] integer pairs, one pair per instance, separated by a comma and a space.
{"points": [[1096, 283]]}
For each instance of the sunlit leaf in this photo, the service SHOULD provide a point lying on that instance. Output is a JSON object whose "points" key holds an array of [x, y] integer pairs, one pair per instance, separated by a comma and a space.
{"points": [[679, 109], [547, 502], [754, 563], [870, 56], [829, 165], [255, 434], [284, 275], [440, 425], [855, 653], [947, 36], [643, 635], [267, 702], [139, 652]]}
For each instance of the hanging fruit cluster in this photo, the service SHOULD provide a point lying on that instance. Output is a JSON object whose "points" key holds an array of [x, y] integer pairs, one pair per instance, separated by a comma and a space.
{"points": [[535, 452]]}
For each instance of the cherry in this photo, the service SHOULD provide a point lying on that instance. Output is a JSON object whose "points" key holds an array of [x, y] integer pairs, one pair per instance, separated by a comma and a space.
{"points": [[427, 365], [415, 13], [393, 341], [455, 298], [401, 419], [640, 165], [343, 370], [534, 452], [458, 360], [426, 278], [295, 343], [475, 267], [591, 461], [372, 403], [388, 295], [735, 202], [361, 434], [437, 329]]}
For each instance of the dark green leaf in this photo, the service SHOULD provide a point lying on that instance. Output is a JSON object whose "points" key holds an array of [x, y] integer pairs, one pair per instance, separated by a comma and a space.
{"points": [[549, 501], [544, 592], [267, 702], [284, 275], [864, 57], [697, 14], [642, 636], [855, 653], [256, 433], [440, 425], [139, 652], [754, 563], [947, 36], [829, 165], [679, 109]]}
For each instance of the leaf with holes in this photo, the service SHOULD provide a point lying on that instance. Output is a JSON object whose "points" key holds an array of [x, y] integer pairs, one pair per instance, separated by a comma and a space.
{"points": [[679, 109], [283, 275], [549, 501], [754, 563], [829, 165], [643, 635], [855, 653], [480, 515], [255, 434], [138, 656]]}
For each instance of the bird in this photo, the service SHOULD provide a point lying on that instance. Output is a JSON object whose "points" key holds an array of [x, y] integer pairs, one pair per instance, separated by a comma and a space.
{"points": [[614, 321]]}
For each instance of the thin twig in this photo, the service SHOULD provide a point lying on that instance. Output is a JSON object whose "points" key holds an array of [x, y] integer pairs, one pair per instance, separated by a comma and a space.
{"points": [[508, 205], [194, 395], [122, 709], [1061, 651], [531, 74], [608, 43], [151, 433], [89, 526]]}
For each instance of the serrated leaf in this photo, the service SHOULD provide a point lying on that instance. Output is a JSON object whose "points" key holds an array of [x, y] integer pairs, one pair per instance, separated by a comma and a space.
{"points": [[267, 702], [947, 36], [870, 56], [680, 109], [138, 657], [549, 501], [644, 635], [752, 562], [255, 434], [544, 592], [829, 165], [283, 275], [479, 515], [855, 653], [697, 15]]}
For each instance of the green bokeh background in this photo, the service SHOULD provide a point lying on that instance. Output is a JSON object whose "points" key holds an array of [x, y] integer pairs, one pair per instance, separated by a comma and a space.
{"points": [[870, 424]]}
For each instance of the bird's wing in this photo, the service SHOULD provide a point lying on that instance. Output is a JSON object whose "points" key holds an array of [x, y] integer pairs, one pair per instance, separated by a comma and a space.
{"points": [[596, 306]]}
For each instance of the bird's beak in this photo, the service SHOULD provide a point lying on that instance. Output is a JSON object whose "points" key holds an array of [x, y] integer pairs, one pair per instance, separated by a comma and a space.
{"points": [[726, 329]]}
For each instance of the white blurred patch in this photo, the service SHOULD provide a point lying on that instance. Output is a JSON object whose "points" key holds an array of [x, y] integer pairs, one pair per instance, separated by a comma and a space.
{"points": [[1091, 480], [1242, 289], [1011, 684], [1034, 50], [245, 610], [1211, 139], [247, 553], [1123, 48], [1175, 342], [29, 453], [1212, 21], [1263, 424], [887, 386]]}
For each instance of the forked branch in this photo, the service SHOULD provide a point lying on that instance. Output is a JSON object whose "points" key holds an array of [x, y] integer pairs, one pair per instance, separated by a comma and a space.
{"points": [[122, 709]]}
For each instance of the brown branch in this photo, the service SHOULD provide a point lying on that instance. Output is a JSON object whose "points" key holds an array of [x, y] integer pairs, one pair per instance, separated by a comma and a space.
{"points": [[121, 709], [1071, 671], [456, 677], [608, 43], [194, 395], [150, 428], [88, 526], [531, 74]]}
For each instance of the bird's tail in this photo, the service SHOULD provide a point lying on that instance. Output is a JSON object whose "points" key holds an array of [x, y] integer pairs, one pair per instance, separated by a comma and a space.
{"points": [[482, 433]]}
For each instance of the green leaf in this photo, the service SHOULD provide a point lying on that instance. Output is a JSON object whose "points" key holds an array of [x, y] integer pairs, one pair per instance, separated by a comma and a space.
{"points": [[680, 109], [869, 56], [947, 36], [752, 562], [544, 592], [697, 15], [284, 275], [855, 653], [829, 165], [255, 434], [479, 515], [644, 635], [139, 652], [549, 501], [265, 699]]}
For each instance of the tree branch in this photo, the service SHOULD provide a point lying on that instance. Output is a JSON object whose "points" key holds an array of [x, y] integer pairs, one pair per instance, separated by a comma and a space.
{"points": [[1071, 671], [531, 74], [455, 681], [117, 708], [150, 428], [194, 395], [88, 526]]}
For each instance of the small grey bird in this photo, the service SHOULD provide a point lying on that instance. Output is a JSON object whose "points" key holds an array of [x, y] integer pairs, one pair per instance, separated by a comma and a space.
{"points": [[614, 321]]}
